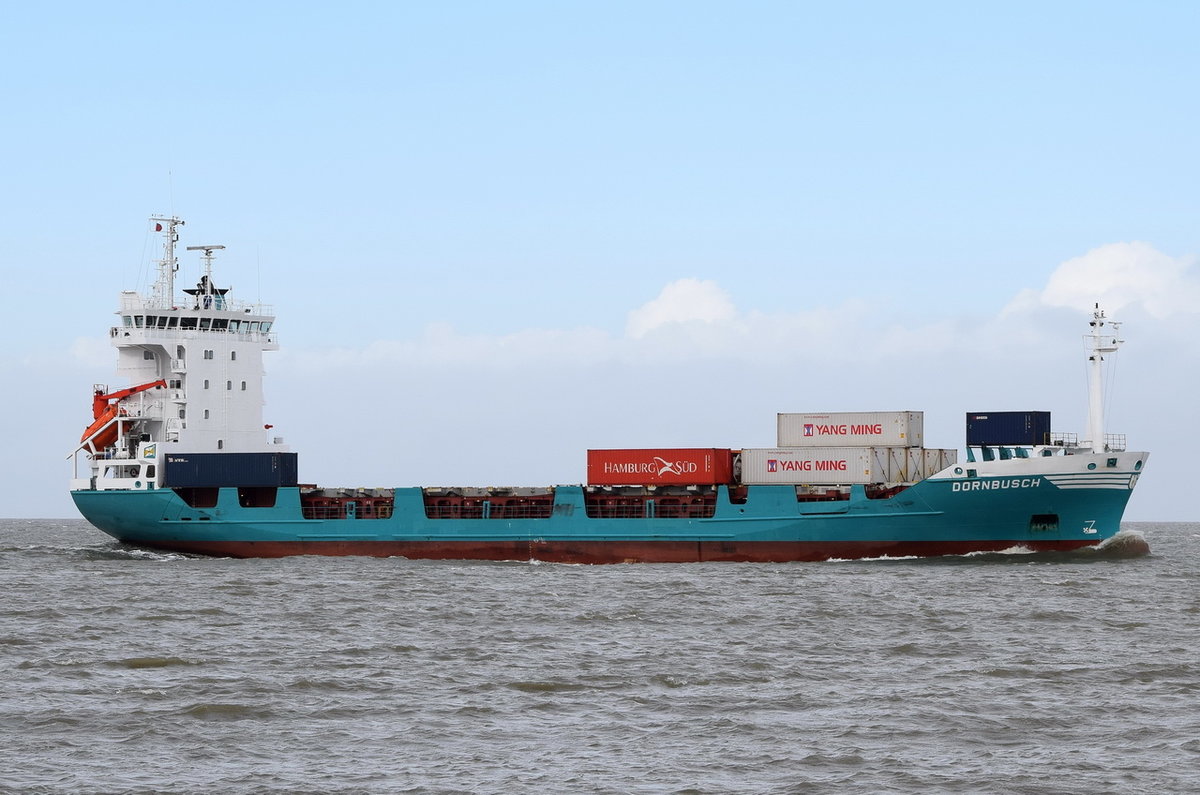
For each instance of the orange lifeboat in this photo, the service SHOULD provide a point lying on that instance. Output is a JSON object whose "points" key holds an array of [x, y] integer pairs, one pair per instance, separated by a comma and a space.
{"points": [[104, 411], [106, 436]]}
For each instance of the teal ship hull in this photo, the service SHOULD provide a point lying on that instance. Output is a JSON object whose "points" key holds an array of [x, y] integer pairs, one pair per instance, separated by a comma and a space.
{"points": [[1060, 502]]}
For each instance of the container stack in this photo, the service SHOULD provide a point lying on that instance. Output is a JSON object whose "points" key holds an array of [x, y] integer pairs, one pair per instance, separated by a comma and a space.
{"points": [[846, 448], [813, 450]]}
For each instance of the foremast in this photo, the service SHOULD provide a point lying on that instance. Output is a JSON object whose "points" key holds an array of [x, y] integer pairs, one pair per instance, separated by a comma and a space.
{"points": [[162, 294], [1101, 340]]}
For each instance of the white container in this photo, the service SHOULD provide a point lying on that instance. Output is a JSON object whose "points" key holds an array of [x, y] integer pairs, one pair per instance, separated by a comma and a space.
{"points": [[826, 466], [936, 460], [809, 465], [852, 429]]}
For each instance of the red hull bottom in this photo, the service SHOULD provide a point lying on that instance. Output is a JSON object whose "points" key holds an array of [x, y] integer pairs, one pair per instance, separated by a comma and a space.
{"points": [[631, 551]]}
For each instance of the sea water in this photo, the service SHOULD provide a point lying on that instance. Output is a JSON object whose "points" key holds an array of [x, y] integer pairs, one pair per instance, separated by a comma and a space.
{"points": [[123, 670]]}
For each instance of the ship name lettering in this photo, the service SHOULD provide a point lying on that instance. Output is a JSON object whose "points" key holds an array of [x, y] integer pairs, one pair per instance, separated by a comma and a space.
{"points": [[990, 485]]}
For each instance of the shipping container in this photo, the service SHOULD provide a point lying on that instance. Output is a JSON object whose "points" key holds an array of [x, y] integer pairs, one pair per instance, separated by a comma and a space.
{"points": [[841, 465], [820, 465], [937, 459], [705, 466], [852, 429], [1008, 427], [197, 470]]}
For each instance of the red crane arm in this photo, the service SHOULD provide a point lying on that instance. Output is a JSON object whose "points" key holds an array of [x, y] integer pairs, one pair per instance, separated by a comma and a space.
{"points": [[100, 400]]}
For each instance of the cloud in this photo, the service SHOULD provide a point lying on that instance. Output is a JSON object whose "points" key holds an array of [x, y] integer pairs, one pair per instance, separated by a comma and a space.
{"points": [[88, 351], [682, 301], [695, 321], [1116, 276]]}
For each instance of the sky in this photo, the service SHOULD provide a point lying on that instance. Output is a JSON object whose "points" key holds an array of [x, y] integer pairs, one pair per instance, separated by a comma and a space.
{"points": [[499, 234]]}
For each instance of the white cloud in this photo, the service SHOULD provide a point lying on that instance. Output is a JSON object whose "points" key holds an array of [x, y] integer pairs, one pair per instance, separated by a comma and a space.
{"points": [[682, 301], [1116, 276]]}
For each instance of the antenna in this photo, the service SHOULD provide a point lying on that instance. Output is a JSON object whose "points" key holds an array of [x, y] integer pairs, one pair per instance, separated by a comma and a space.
{"points": [[164, 287], [208, 258]]}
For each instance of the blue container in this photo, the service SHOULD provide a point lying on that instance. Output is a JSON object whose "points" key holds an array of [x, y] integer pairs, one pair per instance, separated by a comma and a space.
{"points": [[1008, 427], [198, 470]]}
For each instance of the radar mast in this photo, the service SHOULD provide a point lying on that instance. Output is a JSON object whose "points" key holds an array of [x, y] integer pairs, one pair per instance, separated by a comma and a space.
{"points": [[163, 296]]}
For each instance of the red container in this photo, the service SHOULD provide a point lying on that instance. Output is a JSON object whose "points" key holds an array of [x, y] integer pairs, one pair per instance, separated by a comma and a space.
{"points": [[704, 466]]}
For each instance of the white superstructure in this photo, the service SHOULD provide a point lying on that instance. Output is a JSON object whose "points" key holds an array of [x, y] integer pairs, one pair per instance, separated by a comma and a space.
{"points": [[207, 349]]}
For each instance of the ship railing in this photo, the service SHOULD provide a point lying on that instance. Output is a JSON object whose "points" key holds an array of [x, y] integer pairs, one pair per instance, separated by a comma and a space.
{"points": [[143, 410], [269, 337], [648, 508], [488, 510], [135, 302], [1113, 442], [348, 509]]}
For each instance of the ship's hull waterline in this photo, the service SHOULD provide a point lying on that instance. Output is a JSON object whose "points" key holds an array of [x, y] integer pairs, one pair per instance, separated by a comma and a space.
{"points": [[935, 517]]}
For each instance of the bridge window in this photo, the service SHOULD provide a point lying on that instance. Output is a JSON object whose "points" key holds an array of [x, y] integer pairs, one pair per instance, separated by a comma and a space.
{"points": [[205, 323], [220, 324], [187, 323], [138, 320]]}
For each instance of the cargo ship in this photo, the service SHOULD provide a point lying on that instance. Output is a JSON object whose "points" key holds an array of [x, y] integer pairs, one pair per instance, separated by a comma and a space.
{"points": [[181, 460]]}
